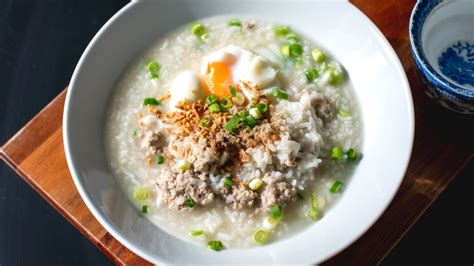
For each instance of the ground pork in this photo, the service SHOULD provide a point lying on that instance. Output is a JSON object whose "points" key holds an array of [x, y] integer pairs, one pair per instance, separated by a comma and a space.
{"points": [[152, 142], [179, 186], [279, 193], [322, 108], [240, 196]]}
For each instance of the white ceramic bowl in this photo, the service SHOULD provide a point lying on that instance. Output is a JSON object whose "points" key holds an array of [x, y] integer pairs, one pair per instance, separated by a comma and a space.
{"points": [[381, 87]]}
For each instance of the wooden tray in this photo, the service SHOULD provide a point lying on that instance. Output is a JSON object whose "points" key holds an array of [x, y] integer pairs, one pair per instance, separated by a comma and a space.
{"points": [[442, 148]]}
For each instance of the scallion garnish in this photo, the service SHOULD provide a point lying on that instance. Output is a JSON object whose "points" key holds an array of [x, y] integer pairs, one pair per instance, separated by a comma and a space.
{"points": [[141, 194], [196, 232], [190, 203], [250, 121], [255, 184], [279, 93], [145, 209], [214, 108], [239, 98], [285, 50], [255, 113], [160, 159], [275, 211], [232, 91], [281, 30], [336, 153], [228, 181], [313, 214], [232, 124], [235, 23], [295, 50], [336, 76], [225, 103], [205, 122], [261, 236], [215, 245], [198, 29], [343, 113], [318, 56], [211, 99], [314, 202], [263, 107], [153, 69], [184, 165], [150, 101], [336, 186], [135, 132], [311, 75], [351, 155]]}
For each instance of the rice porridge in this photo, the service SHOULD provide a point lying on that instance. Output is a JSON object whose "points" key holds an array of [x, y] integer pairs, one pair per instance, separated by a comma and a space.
{"points": [[233, 133]]}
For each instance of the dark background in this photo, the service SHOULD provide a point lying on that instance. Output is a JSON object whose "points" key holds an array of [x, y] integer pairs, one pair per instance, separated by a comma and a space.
{"points": [[40, 44]]}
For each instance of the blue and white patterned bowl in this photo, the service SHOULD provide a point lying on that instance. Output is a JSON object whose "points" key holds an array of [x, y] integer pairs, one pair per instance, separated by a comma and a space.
{"points": [[442, 43]]}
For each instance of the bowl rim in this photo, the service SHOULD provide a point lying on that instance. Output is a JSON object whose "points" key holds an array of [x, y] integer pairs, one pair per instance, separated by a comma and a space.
{"points": [[424, 9], [116, 232]]}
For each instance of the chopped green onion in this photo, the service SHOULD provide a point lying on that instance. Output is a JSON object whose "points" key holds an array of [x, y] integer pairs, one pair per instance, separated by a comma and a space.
{"points": [[278, 93], [269, 222], [314, 202], [235, 23], [196, 232], [261, 236], [232, 91], [198, 29], [255, 184], [255, 113], [153, 69], [295, 50], [225, 103], [262, 107], [211, 99], [318, 56], [351, 155], [141, 194], [150, 101], [184, 165], [336, 186], [285, 50], [281, 30], [215, 245], [204, 36], [292, 38], [160, 159], [313, 214], [205, 122], [336, 153], [190, 203], [232, 123], [250, 121], [275, 210], [145, 209], [311, 74], [343, 113], [214, 108], [238, 99], [135, 132], [228, 181], [243, 114], [335, 75]]}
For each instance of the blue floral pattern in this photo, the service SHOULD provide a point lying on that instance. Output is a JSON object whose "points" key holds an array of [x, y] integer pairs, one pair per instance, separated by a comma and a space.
{"points": [[457, 63]]}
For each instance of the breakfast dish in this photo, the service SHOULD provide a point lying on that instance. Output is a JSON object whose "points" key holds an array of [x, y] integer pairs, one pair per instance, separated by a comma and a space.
{"points": [[231, 133]]}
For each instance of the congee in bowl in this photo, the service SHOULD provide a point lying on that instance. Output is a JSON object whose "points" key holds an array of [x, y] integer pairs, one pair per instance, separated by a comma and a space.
{"points": [[233, 132]]}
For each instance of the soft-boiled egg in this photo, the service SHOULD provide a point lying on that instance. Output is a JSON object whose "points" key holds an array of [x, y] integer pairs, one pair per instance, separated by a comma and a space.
{"points": [[232, 65], [187, 87]]}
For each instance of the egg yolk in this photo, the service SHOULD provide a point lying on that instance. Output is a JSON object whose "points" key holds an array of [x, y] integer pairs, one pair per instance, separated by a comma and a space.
{"points": [[218, 79]]}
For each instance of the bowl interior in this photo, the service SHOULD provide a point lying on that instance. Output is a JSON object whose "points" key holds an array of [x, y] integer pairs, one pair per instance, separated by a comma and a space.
{"points": [[448, 42], [381, 87]]}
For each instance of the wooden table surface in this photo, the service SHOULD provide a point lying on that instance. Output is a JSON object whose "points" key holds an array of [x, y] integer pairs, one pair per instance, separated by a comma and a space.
{"points": [[443, 146]]}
